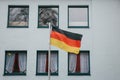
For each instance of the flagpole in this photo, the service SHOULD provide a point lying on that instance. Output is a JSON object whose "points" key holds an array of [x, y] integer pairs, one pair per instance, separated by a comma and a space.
{"points": [[49, 53]]}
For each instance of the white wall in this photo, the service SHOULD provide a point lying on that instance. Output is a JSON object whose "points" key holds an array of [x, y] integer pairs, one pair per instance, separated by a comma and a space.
{"points": [[106, 26], [102, 39]]}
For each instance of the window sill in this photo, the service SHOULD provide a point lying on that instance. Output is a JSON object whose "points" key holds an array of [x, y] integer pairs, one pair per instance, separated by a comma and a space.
{"points": [[78, 74], [14, 74], [17, 27], [45, 74]]}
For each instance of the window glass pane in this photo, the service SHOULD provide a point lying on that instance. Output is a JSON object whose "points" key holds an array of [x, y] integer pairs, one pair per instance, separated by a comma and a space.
{"points": [[48, 14], [78, 16], [42, 63], [18, 16], [79, 64], [15, 63]]}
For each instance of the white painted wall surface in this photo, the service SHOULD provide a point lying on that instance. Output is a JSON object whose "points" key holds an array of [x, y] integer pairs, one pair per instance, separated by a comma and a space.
{"points": [[102, 39]]}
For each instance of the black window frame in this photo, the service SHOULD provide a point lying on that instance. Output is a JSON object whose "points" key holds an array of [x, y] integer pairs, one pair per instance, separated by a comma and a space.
{"points": [[46, 73], [47, 6], [79, 6], [17, 6], [78, 73], [15, 73]]}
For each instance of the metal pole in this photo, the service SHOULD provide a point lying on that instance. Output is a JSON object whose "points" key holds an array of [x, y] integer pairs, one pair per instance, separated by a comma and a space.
{"points": [[49, 54]]}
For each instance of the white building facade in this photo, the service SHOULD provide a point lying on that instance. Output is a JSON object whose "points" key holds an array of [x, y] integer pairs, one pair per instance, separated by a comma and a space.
{"points": [[100, 39]]}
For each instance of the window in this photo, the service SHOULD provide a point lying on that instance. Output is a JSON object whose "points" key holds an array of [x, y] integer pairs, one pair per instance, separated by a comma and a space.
{"points": [[42, 63], [79, 64], [15, 62], [78, 16], [48, 14], [18, 16]]}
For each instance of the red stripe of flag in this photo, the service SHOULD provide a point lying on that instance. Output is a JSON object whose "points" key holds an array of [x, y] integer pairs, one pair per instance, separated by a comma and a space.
{"points": [[65, 39]]}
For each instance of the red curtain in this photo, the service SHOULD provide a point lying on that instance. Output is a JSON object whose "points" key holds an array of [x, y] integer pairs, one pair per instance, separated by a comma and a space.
{"points": [[78, 63], [46, 69], [16, 64]]}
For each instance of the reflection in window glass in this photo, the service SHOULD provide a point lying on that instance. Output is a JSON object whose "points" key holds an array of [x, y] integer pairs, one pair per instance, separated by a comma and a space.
{"points": [[18, 16], [48, 14]]}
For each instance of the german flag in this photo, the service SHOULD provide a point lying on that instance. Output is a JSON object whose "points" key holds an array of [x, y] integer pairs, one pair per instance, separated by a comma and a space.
{"points": [[68, 41]]}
